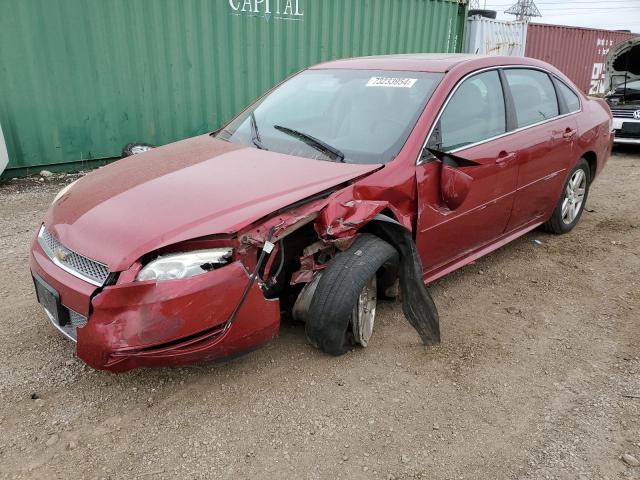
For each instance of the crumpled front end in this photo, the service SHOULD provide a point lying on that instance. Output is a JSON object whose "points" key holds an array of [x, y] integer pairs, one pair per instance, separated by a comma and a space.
{"points": [[177, 322], [149, 324]]}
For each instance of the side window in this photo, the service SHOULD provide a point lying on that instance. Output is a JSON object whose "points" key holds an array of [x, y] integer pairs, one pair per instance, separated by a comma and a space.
{"points": [[570, 98], [476, 112], [533, 95]]}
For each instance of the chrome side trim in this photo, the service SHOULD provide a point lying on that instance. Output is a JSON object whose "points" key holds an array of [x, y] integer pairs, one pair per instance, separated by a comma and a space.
{"points": [[476, 72]]}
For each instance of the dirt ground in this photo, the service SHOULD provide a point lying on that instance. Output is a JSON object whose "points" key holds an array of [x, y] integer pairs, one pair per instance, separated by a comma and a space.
{"points": [[537, 377]]}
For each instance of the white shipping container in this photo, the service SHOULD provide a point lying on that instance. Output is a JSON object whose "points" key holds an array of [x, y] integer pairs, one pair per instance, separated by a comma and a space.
{"points": [[486, 36]]}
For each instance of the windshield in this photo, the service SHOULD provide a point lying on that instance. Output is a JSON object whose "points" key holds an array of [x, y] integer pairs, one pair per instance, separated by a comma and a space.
{"points": [[351, 116]]}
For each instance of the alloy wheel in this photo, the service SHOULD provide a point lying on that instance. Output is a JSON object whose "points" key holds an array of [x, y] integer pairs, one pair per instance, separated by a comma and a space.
{"points": [[574, 196], [364, 313]]}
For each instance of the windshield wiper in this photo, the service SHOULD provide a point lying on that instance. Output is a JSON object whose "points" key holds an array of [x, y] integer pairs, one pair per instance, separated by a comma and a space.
{"points": [[255, 135], [313, 142]]}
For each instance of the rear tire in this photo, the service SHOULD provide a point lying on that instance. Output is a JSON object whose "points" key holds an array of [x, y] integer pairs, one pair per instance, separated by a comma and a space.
{"points": [[349, 276], [572, 200]]}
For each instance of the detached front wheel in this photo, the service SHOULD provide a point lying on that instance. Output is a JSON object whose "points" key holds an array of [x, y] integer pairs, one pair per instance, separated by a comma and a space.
{"points": [[343, 308]]}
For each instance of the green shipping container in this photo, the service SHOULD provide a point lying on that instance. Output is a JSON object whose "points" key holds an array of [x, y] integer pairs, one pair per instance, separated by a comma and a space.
{"points": [[81, 78]]}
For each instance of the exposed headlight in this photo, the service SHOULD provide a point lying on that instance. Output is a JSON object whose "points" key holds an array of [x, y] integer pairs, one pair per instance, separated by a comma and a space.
{"points": [[63, 191], [185, 265]]}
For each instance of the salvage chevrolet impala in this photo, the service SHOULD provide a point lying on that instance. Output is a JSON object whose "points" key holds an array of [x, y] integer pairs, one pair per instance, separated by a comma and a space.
{"points": [[351, 181]]}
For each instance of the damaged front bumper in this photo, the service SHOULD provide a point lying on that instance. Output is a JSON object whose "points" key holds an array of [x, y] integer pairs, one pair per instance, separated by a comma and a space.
{"points": [[167, 323]]}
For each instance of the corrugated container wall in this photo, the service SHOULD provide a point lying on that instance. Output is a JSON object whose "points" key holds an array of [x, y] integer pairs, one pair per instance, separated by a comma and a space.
{"points": [[486, 36], [81, 78], [579, 53]]}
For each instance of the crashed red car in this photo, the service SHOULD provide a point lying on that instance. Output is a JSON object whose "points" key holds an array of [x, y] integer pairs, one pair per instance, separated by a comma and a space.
{"points": [[351, 180]]}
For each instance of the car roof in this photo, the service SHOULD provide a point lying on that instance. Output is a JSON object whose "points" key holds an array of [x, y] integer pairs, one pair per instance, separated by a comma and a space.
{"points": [[419, 62]]}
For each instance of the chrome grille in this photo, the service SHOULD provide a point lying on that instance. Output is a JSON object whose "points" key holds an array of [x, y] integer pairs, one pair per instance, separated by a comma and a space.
{"points": [[77, 320], [74, 263], [621, 113], [67, 330]]}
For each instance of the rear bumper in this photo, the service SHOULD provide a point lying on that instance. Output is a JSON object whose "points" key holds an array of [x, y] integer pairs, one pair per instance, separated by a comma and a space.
{"points": [[171, 323]]}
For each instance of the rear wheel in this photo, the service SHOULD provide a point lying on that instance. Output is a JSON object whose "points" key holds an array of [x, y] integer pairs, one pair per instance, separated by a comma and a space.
{"points": [[572, 201], [343, 308]]}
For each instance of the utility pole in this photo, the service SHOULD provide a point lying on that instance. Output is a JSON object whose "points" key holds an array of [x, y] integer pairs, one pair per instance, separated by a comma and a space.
{"points": [[524, 10]]}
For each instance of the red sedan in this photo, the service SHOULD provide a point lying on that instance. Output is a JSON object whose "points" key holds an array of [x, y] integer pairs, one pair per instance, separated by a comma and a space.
{"points": [[352, 180]]}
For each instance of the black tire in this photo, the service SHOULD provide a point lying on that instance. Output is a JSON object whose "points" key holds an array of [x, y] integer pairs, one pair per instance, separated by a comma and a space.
{"points": [[130, 148], [483, 13], [556, 224], [328, 321]]}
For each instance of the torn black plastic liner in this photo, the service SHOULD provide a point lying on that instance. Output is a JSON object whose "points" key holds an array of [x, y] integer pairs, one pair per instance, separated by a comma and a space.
{"points": [[417, 304]]}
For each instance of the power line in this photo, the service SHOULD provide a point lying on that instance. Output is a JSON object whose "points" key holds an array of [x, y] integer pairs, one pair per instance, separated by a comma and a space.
{"points": [[565, 12], [580, 7], [585, 1], [588, 2], [548, 9]]}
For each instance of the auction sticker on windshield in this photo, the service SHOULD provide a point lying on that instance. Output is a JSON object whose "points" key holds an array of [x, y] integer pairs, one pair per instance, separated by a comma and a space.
{"points": [[391, 82]]}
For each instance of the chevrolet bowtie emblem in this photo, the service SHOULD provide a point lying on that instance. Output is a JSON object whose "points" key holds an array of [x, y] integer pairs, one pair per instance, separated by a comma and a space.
{"points": [[61, 253]]}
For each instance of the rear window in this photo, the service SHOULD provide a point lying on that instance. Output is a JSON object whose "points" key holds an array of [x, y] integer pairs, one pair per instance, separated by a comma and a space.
{"points": [[533, 95], [570, 98]]}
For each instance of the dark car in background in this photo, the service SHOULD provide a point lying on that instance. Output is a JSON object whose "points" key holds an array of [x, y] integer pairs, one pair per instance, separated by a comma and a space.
{"points": [[320, 196]]}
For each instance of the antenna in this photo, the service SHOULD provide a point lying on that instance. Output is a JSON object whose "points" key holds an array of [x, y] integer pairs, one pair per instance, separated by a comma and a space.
{"points": [[524, 10]]}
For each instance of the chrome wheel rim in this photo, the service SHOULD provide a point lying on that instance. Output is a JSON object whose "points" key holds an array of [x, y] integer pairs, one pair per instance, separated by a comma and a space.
{"points": [[574, 196], [364, 313]]}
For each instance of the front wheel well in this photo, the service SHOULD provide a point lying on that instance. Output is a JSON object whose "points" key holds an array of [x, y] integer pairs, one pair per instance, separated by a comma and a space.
{"points": [[592, 161]]}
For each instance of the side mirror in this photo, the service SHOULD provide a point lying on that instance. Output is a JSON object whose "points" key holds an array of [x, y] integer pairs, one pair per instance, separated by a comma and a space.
{"points": [[454, 183], [454, 186]]}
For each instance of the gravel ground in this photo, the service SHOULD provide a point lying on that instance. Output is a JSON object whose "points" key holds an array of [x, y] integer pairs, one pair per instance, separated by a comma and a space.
{"points": [[537, 376]]}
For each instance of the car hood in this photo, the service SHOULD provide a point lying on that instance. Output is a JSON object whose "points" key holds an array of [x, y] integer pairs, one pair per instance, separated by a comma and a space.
{"points": [[189, 189]]}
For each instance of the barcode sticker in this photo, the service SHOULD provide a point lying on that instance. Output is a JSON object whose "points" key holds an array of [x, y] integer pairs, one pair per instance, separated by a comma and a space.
{"points": [[391, 82]]}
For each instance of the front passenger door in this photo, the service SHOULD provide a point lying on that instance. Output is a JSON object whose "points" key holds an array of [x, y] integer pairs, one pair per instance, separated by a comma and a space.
{"points": [[472, 126]]}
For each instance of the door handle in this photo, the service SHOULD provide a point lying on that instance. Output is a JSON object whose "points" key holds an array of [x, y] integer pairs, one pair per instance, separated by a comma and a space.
{"points": [[568, 133], [504, 157]]}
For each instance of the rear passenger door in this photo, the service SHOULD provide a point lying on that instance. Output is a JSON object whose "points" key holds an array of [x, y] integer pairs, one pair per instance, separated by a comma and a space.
{"points": [[545, 135]]}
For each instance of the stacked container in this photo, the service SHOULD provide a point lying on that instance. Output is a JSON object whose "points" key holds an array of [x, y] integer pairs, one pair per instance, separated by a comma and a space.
{"points": [[486, 36], [79, 79], [580, 53]]}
